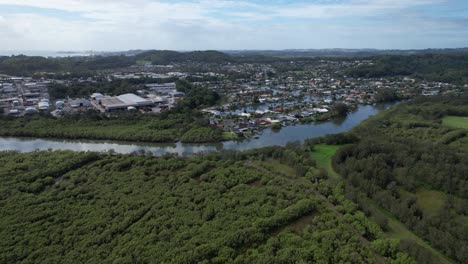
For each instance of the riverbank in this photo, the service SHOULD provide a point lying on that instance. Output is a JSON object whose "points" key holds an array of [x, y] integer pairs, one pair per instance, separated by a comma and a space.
{"points": [[134, 127], [268, 137]]}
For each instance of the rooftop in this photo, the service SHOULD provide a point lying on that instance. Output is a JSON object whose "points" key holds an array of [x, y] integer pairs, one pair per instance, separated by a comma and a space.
{"points": [[112, 101], [124, 100], [131, 98]]}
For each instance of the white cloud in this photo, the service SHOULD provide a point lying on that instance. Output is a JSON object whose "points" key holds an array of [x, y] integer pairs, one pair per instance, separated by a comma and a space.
{"points": [[210, 24], [355, 8]]}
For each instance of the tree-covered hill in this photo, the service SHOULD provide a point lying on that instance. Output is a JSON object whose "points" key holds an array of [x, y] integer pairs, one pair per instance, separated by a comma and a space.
{"points": [[433, 66], [167, 56], [340, 53], [27, 65], [451, 67]]}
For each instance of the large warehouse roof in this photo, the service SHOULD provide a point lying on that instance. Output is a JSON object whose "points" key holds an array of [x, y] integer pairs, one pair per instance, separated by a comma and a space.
{"points": [[133, 99], [124, 101]]}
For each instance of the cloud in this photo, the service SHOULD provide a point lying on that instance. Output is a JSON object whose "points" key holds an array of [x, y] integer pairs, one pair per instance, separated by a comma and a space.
{"points": [[210, 24]]}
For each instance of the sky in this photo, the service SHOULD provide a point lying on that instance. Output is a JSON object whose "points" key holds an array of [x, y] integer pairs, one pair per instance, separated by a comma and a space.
{"points": [[113, 25]]}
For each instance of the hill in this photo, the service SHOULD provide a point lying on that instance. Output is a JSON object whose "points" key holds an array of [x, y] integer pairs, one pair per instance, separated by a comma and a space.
{"points": [[26, 65], [356, 53], [167, 56], [451, 67]]}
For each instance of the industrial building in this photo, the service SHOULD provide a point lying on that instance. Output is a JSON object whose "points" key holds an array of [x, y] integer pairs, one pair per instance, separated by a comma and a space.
{"points": [[80, 103], [124, 102]]}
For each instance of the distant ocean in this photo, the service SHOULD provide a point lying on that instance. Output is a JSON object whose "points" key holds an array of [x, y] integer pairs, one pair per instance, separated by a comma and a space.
{"points": [[45, 53]]}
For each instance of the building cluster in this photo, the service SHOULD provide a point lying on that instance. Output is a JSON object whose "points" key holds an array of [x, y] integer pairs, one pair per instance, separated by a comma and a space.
{"points": [[255, 95], [282, 98], [145, 74], [23, 95]]}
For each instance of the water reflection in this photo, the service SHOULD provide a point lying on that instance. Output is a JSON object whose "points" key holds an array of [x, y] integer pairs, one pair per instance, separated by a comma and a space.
{"points": [[339, 120]]}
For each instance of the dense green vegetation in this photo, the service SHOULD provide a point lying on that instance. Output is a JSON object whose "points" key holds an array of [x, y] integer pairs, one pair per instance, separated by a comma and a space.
{"points": [[196, 96], [409, 162], [387, 95], [255, 207], [452, 67], [128, 126], [412, 244]]}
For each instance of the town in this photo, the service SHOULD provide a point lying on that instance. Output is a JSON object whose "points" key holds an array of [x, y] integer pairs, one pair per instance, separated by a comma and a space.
{"points": [[254, 96]]}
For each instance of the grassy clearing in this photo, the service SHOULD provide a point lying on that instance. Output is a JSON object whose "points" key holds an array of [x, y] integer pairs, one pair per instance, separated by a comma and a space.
{"points": [[455, 121], [431, 201], [230, 136], [323, 154], [278, 168], [281, 168]]}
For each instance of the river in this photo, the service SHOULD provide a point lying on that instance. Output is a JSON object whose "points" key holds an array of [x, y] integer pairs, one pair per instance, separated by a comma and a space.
{"points": [[268, 137]]}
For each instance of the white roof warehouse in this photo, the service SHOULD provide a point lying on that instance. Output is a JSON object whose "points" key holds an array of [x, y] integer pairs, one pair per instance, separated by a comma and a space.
{"points": [[123, 102]]}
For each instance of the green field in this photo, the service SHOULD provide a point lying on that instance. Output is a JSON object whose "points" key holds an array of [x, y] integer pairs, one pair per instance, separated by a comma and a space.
{"points": [[455, 121], [230, 136], [322, 155], [461, 123]]}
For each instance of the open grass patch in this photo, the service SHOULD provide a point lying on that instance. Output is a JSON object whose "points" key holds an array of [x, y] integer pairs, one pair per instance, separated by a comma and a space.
{"points": [[276, 166], [455, 121], [431, 201], [230, 136], [323, 154]]}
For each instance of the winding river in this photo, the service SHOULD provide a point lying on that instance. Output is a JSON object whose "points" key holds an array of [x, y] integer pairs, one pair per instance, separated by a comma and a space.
{"points": [[267, 138]]}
